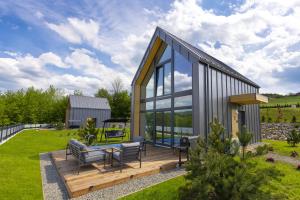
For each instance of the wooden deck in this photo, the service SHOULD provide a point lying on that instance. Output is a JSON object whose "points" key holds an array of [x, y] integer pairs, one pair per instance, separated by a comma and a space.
{"points": [[95, 177]]}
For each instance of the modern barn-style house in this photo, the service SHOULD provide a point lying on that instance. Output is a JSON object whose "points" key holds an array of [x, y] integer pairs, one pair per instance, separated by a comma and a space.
{"points": [[178, 90]]}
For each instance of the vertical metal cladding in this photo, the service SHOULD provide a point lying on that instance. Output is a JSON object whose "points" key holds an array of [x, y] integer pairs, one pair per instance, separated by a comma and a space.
{"points": [[82, 114], [220, 87]]}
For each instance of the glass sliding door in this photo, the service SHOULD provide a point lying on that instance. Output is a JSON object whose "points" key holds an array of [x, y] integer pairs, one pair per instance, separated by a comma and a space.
{"points": [[163, 135]]}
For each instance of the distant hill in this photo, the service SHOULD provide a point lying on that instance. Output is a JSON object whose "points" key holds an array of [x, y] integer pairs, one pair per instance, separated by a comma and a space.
{"points": [[275, 99]]}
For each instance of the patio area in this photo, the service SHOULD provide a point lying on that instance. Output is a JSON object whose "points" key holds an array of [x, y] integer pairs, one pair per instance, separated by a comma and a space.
{"points": [[96, 176]]}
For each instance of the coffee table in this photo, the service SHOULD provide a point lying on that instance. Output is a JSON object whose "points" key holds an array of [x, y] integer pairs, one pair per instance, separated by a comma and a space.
{"points": [[109, 152]]}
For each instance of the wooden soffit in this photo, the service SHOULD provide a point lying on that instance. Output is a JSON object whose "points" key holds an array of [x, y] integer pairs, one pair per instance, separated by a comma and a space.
{"points": [[252, 98]]}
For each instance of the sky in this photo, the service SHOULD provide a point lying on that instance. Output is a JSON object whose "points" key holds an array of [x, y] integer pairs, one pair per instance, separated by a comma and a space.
{"points": [[85, 44]]}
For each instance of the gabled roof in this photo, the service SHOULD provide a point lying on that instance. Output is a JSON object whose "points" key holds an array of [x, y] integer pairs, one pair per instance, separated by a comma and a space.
{"points": [[193, 52], [88, 102]]}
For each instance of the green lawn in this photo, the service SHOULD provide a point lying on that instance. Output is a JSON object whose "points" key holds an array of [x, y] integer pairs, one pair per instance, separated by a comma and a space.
{"points": [[287, 188], [20, 165], [284, 100], [287, 113], [282, 147]]}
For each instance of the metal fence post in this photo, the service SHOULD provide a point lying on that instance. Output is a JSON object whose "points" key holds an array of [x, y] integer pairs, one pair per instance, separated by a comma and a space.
{"points": [[1, 133]]}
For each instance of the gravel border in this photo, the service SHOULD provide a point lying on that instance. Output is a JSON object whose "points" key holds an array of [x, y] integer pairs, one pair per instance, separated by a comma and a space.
{"points": [[53, 187], [285, 159]]}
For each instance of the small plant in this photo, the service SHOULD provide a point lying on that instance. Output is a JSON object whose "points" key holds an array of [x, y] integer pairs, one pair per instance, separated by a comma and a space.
{"points": [[294, 119], [296, 126], [293, 138], [244, 138], [270, 148], [59, 126], [263, 119], [270, 159], [294, 154], [261, 150], [298, 167], [269, 120], [87, 131]]}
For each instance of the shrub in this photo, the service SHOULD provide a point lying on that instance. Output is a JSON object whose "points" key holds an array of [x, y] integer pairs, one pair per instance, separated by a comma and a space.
{"points": [[215, 173], [244, 139], [270, 159], [296, 126], [294, 154], [294, 119], [269, 120], [89, 132], [261, 150], [270, 148], [263, 119], [298, 167], [59, 126], [293, 138]]}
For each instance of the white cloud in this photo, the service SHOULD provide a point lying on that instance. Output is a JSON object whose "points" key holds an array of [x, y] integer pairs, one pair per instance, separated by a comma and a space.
{"points": [[26, 70]]}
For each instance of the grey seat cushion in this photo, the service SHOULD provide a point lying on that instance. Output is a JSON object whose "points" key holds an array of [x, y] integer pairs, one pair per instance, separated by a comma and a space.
{"points": [[116, 155], [78, 144], [94, 158], [131, 144]]}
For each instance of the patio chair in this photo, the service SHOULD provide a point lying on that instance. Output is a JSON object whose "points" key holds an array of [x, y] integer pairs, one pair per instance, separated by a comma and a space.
{"points": [[183, 147], [128, 152], [83, 154], [142, 142]]}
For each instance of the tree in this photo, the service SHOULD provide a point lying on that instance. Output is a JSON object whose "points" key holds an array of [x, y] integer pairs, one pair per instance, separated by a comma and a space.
{"points": [[120, 105], [216, 174], [117, 85], [103, 93], [87, 131], [293, 138], [78, 93], [244, 138]]}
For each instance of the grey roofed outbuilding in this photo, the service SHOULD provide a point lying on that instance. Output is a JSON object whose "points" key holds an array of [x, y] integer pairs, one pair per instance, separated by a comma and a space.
{"points": [[194, 54], [82, 107], [89, 102]]}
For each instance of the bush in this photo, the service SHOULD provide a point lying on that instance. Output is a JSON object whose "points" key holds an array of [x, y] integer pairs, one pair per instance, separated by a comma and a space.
{"points": [[244, 138], [59, 126], [263, 119], [270, 148], [294, 119], [270, 159], [298, 167], [89, 132], [269, 120], [293, 138], [294, 154], [261, 150], [214, 172]]}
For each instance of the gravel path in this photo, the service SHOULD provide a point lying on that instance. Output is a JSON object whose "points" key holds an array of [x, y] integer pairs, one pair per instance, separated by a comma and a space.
{"points": [[285, 159], [54, 189]]}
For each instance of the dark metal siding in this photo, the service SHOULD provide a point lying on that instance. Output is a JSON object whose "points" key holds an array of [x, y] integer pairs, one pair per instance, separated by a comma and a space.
{"points": [[220, 87]]}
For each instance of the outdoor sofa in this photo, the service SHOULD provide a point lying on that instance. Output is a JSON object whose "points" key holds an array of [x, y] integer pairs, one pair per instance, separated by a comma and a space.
{"points": [[83, 154]]}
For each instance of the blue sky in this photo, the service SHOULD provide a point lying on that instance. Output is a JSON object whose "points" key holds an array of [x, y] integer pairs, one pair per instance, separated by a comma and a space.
{"points": [[81, 44]]}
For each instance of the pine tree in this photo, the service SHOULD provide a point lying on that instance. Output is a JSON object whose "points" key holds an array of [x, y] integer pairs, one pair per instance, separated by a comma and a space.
{"points": [[215, 173], [88, 133]]}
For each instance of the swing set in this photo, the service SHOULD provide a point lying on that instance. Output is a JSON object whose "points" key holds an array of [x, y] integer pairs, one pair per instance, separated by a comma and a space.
{"points": [[120, 133]]}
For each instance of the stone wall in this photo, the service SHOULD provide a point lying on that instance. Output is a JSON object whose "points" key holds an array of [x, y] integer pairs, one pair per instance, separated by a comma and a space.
{"points": [[277, 131]]}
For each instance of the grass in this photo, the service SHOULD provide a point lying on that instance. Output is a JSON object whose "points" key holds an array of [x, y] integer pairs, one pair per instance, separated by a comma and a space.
{"points": [[20, 176], [284, 100], [282, 147], [287, 188], [287, 114]]}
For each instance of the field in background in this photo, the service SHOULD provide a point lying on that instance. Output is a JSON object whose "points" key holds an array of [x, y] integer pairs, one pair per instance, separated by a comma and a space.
{"points": [[271, 114]]}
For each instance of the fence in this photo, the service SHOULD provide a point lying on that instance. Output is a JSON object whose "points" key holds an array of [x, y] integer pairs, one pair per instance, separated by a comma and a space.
{"points": [[8, 131]]}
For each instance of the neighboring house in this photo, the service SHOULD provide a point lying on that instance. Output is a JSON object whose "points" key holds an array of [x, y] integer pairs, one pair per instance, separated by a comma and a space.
{"points": [[82, 107], [178, 90]]}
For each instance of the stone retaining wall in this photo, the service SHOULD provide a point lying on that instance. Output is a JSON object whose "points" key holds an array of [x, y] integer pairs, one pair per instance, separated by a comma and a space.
{"points": [[277, 131]]}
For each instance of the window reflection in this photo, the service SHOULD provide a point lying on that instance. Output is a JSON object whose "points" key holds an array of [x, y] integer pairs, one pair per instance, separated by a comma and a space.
{"points": [[182, 124], [148, 125], [182, 73], [150, 87], [183, 101], [166, 55], [149, 105], [159, 81], [167, 78], [165, 103]]}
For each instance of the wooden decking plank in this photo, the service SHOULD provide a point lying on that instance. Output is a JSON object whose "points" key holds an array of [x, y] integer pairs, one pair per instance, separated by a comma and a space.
{"points": [[97, 177]]}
